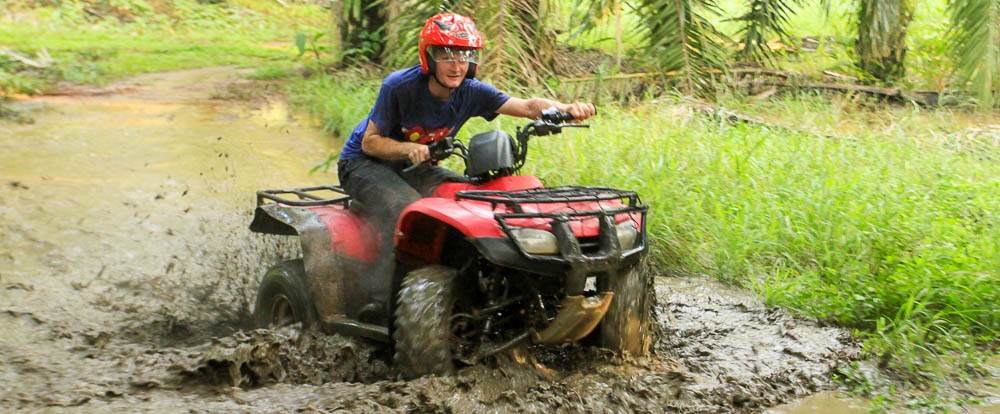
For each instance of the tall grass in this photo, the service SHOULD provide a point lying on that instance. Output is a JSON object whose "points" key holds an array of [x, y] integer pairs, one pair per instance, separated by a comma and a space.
{"points": [[893, 234], [340, 100]]}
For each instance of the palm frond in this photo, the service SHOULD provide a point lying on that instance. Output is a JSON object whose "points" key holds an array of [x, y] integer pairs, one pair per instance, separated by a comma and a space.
{"points": [[682, 40], [520, 42], [587, 14], [765, 18], [826, 5], [975, 38]]}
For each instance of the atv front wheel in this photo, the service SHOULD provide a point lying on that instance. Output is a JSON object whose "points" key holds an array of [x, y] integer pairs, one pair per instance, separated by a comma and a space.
{"points": [[423, 322], [625, 326], [282, 298]]}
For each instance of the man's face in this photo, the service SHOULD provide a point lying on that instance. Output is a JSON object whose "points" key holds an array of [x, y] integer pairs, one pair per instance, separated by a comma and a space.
{"points": [[452, 63]]}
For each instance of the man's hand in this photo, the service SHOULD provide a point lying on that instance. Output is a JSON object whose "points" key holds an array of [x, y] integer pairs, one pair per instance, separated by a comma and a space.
{"points": [[580, 110], [532, 108], [376, 145], [418, 153]]}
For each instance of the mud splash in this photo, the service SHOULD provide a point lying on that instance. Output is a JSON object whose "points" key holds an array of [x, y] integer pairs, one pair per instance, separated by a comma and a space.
{"points": [[127, 276]]}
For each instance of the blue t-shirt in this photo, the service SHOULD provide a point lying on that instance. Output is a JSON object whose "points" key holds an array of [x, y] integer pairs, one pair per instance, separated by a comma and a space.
{"points": [[405, 110]]}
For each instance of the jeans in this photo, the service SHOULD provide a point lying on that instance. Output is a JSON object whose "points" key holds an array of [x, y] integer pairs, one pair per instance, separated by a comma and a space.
{"points": [[385, 190]]}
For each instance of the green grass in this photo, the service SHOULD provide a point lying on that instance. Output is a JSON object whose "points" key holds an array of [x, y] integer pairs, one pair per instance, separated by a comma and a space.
{"points": [[136, 36], [341, 101]]}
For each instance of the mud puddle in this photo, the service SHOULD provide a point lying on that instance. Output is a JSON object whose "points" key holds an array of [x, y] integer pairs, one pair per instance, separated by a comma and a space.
{"points": [[127, 278]]}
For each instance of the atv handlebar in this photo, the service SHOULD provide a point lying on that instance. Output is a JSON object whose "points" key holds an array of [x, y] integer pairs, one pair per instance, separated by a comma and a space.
{"points": [[553, 115], [439, 150], [552, 121]]}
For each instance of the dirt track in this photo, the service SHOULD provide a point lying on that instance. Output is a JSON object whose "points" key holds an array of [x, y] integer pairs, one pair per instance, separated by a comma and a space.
{"points": [[127, 276]]}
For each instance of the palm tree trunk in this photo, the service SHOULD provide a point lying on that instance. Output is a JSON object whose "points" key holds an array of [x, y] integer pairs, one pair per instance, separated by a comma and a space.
{"points": [[881, 45], [336, 25]]}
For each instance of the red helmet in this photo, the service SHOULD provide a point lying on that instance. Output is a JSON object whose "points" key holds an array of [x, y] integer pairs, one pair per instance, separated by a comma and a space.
{"points": [[449, 30]]}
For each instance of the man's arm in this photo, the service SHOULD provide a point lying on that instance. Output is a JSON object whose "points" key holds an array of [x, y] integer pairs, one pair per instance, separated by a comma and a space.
{"points": [[376, 145], [532, 108]]}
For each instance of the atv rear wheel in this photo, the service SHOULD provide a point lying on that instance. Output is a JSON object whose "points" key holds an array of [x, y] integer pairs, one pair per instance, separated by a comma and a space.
{"points": [[625, 327], [282, 298], [423, 322]]}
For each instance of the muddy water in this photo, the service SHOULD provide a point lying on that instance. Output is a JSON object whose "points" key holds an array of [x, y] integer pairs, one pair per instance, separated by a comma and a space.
{"points": [[127, 277], [983, 396]]}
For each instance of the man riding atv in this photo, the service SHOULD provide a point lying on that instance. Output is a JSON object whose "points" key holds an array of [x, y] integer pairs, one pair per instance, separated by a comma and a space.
{"points": [[450, 269], [418, 106]]}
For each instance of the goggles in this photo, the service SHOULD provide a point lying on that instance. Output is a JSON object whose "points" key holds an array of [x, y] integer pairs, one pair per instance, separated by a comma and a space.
{"points": [[453, 54]]}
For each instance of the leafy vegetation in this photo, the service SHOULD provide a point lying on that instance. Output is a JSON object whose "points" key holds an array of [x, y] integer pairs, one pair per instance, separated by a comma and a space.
{"points": [[335, 99], [976, 42], [690, 42]]}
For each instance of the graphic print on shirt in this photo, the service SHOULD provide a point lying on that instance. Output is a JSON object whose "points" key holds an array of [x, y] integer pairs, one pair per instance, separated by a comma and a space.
{"points": [[418, 135]]}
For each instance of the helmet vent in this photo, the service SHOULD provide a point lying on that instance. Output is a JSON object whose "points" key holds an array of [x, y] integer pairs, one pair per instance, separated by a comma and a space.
{"points": [[442, 25]]}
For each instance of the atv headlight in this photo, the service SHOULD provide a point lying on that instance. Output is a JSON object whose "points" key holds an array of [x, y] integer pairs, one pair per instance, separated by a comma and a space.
{"points": [[627, 234], [535, 241]]}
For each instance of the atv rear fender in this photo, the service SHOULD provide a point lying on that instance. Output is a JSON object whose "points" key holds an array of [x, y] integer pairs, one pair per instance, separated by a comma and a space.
{"points": [[334, 240]]}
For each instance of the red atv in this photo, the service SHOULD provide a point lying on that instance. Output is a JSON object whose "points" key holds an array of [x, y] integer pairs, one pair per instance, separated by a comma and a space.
{"points": [[485, 264]]}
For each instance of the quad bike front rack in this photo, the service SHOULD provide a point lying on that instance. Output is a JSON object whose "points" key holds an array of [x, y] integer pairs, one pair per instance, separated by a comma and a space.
{"points": [[582, 257], [578, 315]]}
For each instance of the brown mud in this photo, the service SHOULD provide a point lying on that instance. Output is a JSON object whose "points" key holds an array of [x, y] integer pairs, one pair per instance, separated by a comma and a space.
{"points": [[127, 277]]}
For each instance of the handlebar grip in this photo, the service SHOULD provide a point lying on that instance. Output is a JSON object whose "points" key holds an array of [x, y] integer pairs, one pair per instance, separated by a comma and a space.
{"points": [[553, 115]]}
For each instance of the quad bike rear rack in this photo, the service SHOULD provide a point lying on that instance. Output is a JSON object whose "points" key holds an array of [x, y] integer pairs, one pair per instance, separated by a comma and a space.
{"points": [[306, 196]]}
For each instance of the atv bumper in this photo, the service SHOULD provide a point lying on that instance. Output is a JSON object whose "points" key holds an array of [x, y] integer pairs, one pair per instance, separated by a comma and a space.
{"points": [[572, 262]]}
